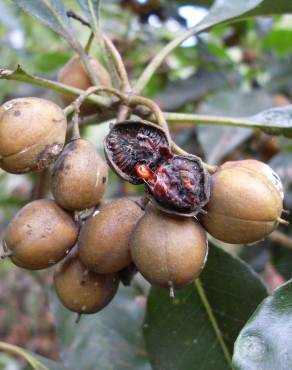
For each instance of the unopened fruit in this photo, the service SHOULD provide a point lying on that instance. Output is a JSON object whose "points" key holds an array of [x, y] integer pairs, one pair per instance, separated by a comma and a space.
{"points": [[40, 235], [261, 168], [79, 176], [83, 291], [104, 238], [245, 204], [168, 251], [74, 74], [32, 134], [139, 152]]}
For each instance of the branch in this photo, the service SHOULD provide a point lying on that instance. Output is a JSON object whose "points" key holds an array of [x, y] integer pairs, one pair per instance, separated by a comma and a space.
{"points": [[274, 121], [20, 75], [152, 67], [281, 238], [195, 119]]}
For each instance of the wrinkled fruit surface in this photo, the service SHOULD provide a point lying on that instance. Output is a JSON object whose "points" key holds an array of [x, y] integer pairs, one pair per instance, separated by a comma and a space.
{"points": [[180, 186], [244, 205], [40, 235], [32, 134], [139, 152], [74, 74], [83, 291], [167, 250], [135, 142], [104, 238], [79, 176]]}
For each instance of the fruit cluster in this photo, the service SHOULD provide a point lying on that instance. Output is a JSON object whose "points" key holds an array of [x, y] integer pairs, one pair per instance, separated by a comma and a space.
{"points": [[166, 240]]}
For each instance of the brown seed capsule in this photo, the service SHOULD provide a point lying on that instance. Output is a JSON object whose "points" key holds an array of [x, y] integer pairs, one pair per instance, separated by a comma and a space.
{"points": [[83, 291], [74, 74], [245, 204], [139, 151], [40, 235], [135, 142], [104, 238], [180, 186], [79, 176], [167, 250], [261, 168], [32, 134]]}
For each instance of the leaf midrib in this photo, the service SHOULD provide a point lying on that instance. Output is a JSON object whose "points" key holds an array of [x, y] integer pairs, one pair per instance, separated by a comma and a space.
{"points": [[213, 321]]}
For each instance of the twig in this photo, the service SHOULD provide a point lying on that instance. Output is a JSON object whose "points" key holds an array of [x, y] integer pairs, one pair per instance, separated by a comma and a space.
{"points": [[20, 75], [281, 238], [41, 186], [75, 16], [159, 117], [93, 90], [152, 67]]}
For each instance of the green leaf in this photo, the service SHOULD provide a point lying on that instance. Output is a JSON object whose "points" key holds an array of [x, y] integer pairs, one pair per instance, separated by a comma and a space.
{"points": [[91, 9], [265, 341], [50, 12], [197, 329], [36, 362], [267, 7], [223, 10], [279, 41], [275, 121], [108, 340], [48, 62]]}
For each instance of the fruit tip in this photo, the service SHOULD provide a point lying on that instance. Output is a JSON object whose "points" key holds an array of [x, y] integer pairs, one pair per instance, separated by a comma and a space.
{"points": [[78, 318], [171, 290], [282, 221]]}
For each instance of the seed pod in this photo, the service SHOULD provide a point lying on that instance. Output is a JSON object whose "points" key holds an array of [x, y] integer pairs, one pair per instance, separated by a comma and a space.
{"points": [[79, 176], [74, 74], [261, 168], [83, 291], [167, 250], [138, 151], [180, 186], [245, 205], [104, 238], [40, 235], [135, 142], [32, 134]]}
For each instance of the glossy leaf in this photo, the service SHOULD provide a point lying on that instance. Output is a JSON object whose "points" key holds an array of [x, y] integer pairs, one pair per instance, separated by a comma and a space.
{"points": [[264, 343], [110, 339], [275, 121], [197, 329], [223, 10], [35, 361], [266, 7]]}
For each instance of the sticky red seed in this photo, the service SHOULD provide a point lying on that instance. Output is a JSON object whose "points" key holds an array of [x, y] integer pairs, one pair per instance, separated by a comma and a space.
{"points": [[143, 171]]}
